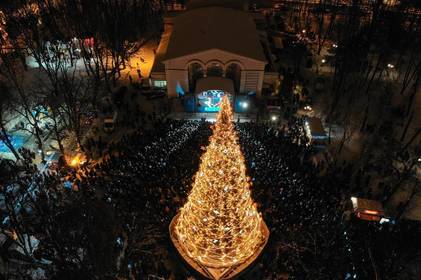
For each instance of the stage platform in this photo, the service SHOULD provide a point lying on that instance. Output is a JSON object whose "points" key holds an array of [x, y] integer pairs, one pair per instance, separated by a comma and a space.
{"points": [[225, 273], [210, 117]]}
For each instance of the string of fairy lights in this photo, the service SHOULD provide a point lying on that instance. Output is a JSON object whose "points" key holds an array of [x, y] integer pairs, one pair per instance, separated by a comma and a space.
{"points": [[220, 226]]}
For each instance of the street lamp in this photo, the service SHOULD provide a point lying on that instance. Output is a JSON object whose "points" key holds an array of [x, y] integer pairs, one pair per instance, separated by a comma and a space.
{"points": [[274, 118], [77, 160]]}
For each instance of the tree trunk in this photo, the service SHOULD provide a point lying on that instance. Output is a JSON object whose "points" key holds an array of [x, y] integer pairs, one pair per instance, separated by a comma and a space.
{"points": [[365, 118], [412, 138], [341, 143], [406, 204], [59, 140], [407, 126], [40, 141], [57, 132], [414, 93]]}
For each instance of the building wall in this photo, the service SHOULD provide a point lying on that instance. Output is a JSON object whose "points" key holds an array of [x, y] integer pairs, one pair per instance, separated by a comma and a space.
{"points": [[174, 77], [252, 71]]}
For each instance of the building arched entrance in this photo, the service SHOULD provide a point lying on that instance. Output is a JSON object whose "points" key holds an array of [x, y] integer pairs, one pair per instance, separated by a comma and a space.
{"points": [[215, 69], [196, 71], [233, 72]]}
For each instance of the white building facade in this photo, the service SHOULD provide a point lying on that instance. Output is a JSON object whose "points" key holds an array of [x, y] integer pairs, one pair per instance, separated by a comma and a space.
{"points": [[247, 74], [210, 42]]}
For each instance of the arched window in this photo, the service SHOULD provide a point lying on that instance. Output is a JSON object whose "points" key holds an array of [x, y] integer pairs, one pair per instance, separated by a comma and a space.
{"points": [[233, 72], [215, 70], [195, 72]]}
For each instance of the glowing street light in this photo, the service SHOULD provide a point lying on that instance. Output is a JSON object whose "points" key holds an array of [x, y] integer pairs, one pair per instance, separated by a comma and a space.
{"points": [[274, 118], [390, 66], [77, 160]]}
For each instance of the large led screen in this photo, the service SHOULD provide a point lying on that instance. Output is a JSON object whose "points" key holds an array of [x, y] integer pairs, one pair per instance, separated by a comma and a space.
{"points": [[209, 101]]}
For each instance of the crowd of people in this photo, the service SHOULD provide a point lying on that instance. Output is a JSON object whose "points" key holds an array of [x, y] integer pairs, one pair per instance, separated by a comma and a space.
{"points": [[147, 177], [301, 208]]}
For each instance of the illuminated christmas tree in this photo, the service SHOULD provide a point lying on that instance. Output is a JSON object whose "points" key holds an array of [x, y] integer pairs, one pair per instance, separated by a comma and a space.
{"points": [[219, 231]]}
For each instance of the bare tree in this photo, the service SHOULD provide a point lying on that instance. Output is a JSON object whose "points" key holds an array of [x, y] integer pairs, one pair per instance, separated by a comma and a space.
{"points": [[23, 103], [119, 29], [415, 189], [325, 21], [15, 184], [60, 87], [67, 224], [4, 131]]}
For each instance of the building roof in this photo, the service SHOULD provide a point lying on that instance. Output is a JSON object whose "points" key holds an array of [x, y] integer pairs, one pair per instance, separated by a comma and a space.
{"points": [[208, 28], [362, 204], [158, 66]]}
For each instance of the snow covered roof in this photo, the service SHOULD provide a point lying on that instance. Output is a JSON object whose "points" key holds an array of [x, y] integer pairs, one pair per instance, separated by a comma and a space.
{"points": [[208, 28]]}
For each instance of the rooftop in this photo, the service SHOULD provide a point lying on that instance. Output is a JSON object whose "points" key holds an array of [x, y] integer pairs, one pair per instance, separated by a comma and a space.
{"points": [[220, 28]]}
